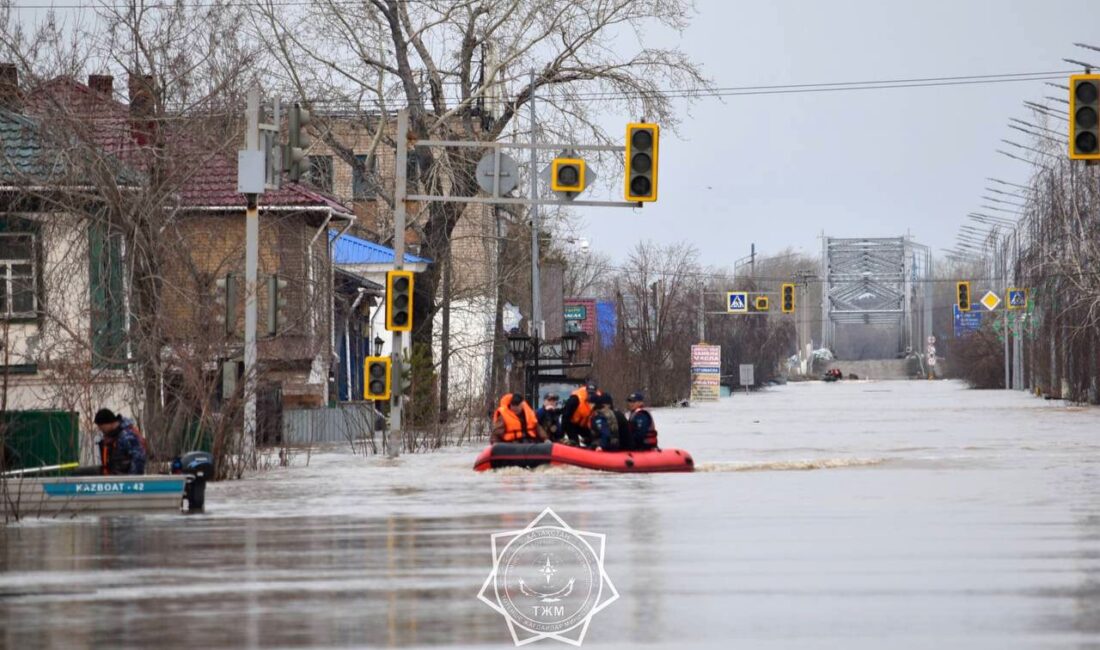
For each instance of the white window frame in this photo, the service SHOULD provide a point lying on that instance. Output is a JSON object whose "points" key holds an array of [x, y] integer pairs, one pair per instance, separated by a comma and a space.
{"points": [[6, 277]]}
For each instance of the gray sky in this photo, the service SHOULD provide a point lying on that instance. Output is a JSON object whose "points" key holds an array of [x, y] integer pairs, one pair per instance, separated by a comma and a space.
{"points": [[779, 170]]}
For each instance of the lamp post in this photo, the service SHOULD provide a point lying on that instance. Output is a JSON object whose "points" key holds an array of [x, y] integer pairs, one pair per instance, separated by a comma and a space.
{"points": [[378, 343]]}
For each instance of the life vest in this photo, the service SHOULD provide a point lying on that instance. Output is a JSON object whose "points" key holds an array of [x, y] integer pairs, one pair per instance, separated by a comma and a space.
{"points": [[649, 438], [513, 426], [584, 410]]}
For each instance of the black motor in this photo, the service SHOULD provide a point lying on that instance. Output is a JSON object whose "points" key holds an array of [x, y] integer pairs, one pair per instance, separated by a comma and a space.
{"points": [[198, 466]]}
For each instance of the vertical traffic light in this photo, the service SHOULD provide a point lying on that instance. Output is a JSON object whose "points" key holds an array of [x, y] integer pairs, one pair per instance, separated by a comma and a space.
{"points": [[399, 301], [787, 298], [376, 378], [962, 290], [567, 175], [641, 161], [1084, 112], [298, 142]]}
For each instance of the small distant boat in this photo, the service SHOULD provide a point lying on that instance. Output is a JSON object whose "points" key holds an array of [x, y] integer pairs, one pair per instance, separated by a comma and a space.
{"points": [[506, 454], [77, 494]]}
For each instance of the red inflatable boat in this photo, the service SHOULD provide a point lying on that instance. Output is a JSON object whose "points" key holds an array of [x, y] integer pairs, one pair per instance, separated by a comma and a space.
{"points": [[507, 454]]}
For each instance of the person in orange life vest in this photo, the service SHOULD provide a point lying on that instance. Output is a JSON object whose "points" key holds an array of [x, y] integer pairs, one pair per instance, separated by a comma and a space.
{"points": [[515, 421], [576, 412], [122, 449], [642, 430]]}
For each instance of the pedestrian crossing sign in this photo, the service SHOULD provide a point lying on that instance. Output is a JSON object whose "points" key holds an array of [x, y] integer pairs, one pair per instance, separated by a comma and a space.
{"points": [[737, 302], [1017, 299]]}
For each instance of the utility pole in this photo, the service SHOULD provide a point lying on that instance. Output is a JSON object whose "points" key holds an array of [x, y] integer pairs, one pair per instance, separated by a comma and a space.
{"points": [[251, 262], [702, 313], [533, 174], [400, 191]]}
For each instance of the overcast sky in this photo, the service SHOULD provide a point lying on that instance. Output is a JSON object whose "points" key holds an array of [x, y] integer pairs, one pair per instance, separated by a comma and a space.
{"points": [[779, 170]]}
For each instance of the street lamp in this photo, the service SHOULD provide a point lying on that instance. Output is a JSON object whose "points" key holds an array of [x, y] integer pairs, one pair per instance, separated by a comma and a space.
{"points": [[378, 343], [570, 341], [518, 343]]}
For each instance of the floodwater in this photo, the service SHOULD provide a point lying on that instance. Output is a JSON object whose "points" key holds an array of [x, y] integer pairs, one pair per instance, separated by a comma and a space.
{"points": [[853, 515]]}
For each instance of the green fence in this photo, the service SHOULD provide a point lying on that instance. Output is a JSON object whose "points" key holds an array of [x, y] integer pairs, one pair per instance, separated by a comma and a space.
{"points": [[37, 438]]}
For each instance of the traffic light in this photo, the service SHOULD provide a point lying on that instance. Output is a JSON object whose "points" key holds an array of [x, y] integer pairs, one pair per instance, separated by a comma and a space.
{"points": [[1084, 111], [567, 175], [298, 142], [227, 300], [787, 298], [276, 317], [641, 161], [376, 378], [761, 303], [962, 290], [399, 301]]}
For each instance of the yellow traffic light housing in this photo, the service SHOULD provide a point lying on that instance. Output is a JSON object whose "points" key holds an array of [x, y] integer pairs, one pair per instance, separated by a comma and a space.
{"points": [[787, 298], [567, 175], [399, 301], [962, 290], [761, 303], [376, 378], [641, 161], [1084, 117]]}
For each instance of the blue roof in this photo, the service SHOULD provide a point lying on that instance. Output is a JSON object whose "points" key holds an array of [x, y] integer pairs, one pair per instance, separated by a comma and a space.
{"points": [[353, 250]]}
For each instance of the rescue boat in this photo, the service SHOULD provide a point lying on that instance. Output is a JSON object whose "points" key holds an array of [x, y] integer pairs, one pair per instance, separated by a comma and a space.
{"points": [[506, 454]]}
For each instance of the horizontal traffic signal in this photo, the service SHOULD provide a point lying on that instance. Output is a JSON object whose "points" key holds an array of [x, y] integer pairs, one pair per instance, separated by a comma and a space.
{"points": [[787, 298], [1084, 115], [567, 175], [962, 292], [376, 378], [399, 301], [641, 162]]}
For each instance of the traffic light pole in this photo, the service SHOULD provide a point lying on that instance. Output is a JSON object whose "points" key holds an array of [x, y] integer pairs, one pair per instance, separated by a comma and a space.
{"points": [[400, 192], [536, 294]]}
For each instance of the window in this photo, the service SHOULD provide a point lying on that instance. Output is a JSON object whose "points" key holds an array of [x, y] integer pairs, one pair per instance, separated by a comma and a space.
{"points": [[364, 183], [109, 310], [18, 277], [320, 172]]}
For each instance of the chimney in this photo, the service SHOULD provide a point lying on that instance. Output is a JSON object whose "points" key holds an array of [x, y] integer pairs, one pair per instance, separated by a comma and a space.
{"points": [[10, 97], [142, 108], [102, 85]]}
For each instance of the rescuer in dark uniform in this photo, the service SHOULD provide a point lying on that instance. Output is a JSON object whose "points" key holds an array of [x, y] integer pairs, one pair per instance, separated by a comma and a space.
{"points": [[643, 431]]}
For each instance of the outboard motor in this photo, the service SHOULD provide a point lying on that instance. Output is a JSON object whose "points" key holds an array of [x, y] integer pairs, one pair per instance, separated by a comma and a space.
{"points": [[198, 466]]}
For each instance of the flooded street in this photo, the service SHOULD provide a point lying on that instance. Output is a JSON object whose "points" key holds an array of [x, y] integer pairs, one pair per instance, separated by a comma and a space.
{"points": [[855, 515]]}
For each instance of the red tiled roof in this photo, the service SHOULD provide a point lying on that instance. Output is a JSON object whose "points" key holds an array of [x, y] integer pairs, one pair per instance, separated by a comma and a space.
{"points": [[206, 178]]}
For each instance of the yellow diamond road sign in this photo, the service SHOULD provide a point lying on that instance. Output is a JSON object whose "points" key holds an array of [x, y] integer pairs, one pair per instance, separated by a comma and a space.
{"points": [[990, 300]]}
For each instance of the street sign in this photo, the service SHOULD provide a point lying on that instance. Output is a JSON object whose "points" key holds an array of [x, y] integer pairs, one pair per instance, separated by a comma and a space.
{"points": [[931, 350], [931, 340], [746, 372], [576, 312], [508, 174], [737, 302], [1017, 299], [990, 300], [931, 360], [966, 321], [706, 372]]}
